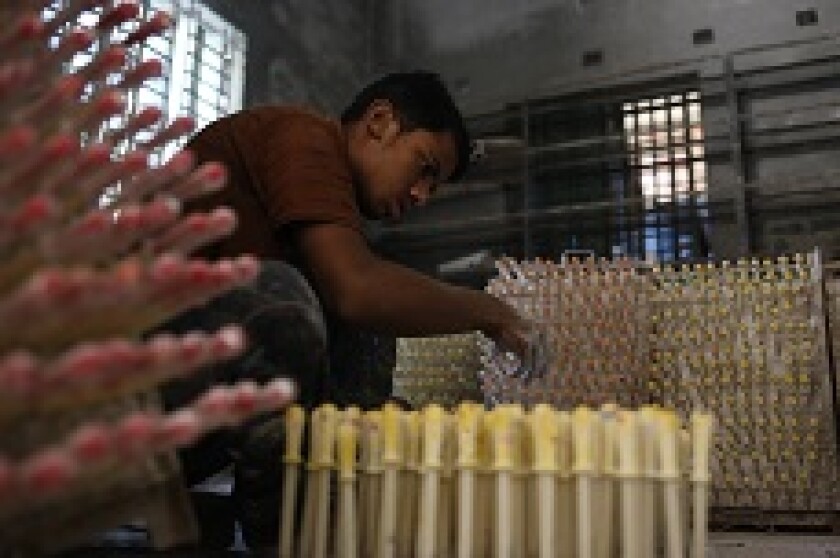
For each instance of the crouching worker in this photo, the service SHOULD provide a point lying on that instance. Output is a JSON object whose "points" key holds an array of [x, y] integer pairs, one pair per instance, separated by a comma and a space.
{"points": [[302, 186]]}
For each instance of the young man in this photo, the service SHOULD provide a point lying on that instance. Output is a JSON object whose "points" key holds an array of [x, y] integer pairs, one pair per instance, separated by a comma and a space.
{"points": [[302, 185]]}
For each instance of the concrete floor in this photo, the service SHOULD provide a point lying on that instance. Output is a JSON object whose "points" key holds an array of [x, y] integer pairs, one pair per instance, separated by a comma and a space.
{"points": [[721, 545], [737, 545]]}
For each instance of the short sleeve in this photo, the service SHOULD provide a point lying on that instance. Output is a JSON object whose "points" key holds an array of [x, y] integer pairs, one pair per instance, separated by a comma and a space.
{"points": [[303, 175]]}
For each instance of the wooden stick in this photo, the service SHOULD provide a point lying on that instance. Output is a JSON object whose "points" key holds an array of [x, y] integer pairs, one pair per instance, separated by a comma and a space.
{"points": [[295, 418]]}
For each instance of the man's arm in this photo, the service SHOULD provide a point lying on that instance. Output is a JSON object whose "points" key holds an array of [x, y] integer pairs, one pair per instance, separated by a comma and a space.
{"points": [[383, 296]]}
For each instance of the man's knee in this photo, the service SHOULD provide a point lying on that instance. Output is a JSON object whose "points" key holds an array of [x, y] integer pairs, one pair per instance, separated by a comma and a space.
{"points": [[285, 331], [284, 325]]}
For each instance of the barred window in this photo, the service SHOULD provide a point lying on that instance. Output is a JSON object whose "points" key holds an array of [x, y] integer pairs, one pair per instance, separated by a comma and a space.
{"points": [[666, 158], [203, 59]]}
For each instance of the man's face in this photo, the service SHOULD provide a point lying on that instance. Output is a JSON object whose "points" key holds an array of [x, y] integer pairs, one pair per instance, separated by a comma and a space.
{"points": [[397, 169]]}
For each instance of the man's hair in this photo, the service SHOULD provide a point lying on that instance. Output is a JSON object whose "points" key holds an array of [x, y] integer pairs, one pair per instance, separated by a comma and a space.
{"points": [[421, 101]]}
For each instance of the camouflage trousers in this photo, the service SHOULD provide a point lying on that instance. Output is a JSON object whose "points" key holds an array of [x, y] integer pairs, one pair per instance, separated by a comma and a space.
{"points": [[288, 336]]}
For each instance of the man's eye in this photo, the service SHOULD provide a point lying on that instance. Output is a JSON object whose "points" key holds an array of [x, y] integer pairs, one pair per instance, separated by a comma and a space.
{"points": [[429, 170]]}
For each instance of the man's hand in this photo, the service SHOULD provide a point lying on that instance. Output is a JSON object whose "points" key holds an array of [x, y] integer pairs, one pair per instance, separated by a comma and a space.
{"points": [[527, 340], [510, 331]]}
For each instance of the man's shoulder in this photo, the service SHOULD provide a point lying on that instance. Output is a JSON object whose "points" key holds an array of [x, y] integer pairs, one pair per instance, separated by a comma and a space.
{"points": [[288, 118], [287, 128]]}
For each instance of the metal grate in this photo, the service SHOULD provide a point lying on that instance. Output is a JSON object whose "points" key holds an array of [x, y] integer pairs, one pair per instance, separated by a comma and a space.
{"points": [[205, 56], [666, 165], [203, 59]]}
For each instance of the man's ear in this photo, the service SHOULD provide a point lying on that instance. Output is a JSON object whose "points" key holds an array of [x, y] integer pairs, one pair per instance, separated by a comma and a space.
{"points": [[381, 120]]}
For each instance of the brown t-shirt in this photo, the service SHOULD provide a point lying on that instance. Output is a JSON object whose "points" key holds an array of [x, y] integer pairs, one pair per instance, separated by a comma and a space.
{"points": [[288, 167]]}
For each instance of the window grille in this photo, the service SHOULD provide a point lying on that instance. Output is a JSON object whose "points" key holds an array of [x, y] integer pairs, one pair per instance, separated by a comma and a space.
{"points": [[203, 59], [667, 167]]}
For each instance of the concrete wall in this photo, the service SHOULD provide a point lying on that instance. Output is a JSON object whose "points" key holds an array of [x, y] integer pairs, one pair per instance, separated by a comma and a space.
{"points": [[313, 52], [497, 50], [493, 52]]}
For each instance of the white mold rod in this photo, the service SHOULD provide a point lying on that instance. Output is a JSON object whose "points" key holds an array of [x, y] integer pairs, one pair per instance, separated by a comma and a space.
{"points": [[466, 464], [585, 477], [347, 437], [430, 470], [502, 435], [670, 473], [629, 474], [307, 530], [566, 512], [701, 435], [543, 429], [295, 418], [391, 459], [324, 463], [584, 430]]}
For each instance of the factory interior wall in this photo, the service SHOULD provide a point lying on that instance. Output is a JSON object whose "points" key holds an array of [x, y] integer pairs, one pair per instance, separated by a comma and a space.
{"points": [[494, 53], [505, 52], [299, 52]]}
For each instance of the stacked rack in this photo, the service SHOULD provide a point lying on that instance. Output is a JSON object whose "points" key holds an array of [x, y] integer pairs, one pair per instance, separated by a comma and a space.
{"points": [[503, 483], [832, 291], [437, 369], [594, 317], [746, 341]]}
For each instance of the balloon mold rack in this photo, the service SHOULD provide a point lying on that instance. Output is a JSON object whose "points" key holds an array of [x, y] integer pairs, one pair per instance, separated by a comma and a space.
{"points": [[85, 443], [750, 341], [503, 483]]}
